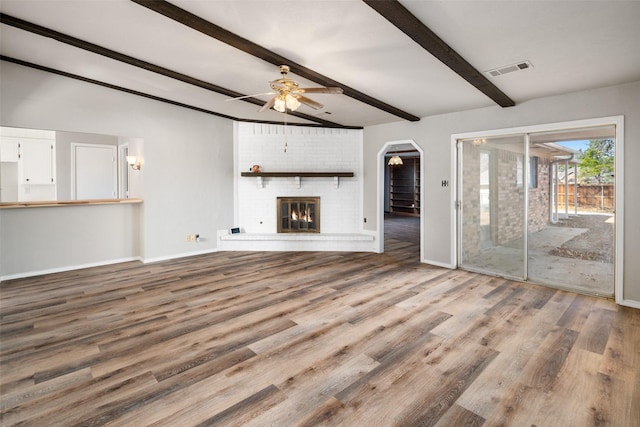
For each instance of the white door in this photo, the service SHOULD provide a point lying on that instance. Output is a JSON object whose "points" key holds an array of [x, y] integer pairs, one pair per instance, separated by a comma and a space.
{"points": [[95, 172]]}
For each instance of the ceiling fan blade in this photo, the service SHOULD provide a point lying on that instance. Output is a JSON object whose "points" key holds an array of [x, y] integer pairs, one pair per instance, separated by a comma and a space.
{"points": [[250, 96], [268, 104], [318, 90], [310, 102]]}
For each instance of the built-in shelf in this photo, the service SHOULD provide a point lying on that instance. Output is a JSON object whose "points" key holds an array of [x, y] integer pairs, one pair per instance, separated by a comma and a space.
{"points": [[404, 187], [297, 175], [302, 174]]}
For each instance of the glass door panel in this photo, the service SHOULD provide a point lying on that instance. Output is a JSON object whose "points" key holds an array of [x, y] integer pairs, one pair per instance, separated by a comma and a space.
{"points": [[492, 218], [571, 232]]}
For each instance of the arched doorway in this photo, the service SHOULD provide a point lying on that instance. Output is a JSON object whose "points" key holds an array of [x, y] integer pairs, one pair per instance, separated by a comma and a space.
{"points": [[400, 193]]}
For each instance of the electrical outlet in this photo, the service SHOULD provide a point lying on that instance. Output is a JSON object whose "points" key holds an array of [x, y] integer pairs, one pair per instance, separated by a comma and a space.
{"points": [[191, 237]]}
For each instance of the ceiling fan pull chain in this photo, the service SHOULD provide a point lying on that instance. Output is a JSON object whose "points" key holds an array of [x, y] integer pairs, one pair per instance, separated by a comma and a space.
{"points": [[285, 130]]}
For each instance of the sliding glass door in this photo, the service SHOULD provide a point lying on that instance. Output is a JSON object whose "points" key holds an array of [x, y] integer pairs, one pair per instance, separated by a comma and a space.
{"points": [[492, 211], [528, 212]]}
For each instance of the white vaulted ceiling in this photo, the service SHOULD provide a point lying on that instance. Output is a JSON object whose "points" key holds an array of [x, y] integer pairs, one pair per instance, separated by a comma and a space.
{"points": [[572, 45]]}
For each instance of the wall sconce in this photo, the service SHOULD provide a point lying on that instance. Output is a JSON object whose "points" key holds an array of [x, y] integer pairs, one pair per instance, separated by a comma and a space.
{"points": [[134, 162]]}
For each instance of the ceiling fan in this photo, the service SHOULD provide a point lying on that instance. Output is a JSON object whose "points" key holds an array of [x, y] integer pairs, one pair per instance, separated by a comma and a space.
{"points": [[288, 95]]}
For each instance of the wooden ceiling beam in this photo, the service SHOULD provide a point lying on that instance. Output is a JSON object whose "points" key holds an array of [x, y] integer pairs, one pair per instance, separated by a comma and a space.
{"points": [[85, 45], [205, 27], [406, 22]]}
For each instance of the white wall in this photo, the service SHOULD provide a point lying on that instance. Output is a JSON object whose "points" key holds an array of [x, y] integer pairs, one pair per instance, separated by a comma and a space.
{"points": [[187, 174], [433, 134], [50, 239]]}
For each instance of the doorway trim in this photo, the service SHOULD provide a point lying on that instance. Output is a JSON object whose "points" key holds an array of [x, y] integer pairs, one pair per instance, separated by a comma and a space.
{"points": [[618, 122], [381, 188], [123, 171]]}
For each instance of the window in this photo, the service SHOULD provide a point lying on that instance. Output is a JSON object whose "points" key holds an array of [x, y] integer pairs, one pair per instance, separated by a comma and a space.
{"points": [[533, 172]]}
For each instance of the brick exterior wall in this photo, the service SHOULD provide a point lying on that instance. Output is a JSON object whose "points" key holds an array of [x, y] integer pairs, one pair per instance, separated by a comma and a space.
{"points": [[506, 199], [470, 201], [510, 199], [539, 197]]}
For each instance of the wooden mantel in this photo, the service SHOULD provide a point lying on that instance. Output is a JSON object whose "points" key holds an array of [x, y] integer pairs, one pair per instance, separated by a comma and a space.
{"points": [[302, 174], [297, 175]]}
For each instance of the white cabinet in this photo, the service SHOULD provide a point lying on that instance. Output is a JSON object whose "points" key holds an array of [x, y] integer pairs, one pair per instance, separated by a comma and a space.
{"points": [[36, 170], [36, 161], [9, 149], [27, 165]]}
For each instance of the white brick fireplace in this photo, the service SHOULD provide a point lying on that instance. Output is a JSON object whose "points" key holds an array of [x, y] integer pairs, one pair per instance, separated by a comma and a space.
{"points": [[304, 150]]}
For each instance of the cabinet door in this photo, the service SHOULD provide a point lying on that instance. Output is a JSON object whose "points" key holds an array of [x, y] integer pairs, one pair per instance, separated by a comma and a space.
{"points": [[37, 158], [8, 149]]}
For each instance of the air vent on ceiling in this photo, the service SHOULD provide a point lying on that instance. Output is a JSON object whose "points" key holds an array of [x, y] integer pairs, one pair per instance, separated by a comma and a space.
{"points": [[509, 68]]}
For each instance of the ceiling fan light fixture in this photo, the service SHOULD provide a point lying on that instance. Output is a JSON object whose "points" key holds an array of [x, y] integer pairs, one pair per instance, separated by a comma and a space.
{"points": [[292, 102], [286, 101], [280, 104], [288, 96]]}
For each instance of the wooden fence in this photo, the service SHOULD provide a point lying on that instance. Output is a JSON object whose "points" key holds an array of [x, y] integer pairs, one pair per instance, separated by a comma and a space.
{"points": [[591, 196]]}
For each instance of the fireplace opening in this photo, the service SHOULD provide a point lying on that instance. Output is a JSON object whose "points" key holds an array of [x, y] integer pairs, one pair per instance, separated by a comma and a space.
{"points": [[298, 214]]}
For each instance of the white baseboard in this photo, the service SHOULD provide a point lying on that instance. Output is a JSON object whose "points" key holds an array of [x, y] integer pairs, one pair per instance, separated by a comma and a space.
{"points": [[101, 263], [629, 303], [66, 268], [176, 256]]}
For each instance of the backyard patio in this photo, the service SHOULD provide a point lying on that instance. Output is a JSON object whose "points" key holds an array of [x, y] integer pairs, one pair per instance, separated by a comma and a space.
{"points": [[575, 253]]}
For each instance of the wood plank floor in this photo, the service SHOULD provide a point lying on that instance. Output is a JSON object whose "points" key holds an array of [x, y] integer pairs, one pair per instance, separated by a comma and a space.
{"points": [[311, 339]]}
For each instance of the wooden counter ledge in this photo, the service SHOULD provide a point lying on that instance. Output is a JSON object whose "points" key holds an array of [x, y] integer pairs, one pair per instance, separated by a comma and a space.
{"points": [[56, 203]]}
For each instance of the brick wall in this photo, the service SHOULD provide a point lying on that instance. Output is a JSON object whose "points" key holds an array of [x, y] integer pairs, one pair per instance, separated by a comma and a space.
{"points": [[506, 199], [470, 201], [307, 150], [539, 197], [510, 199]]}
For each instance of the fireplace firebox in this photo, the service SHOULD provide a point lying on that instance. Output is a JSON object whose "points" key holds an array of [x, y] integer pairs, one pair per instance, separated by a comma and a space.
{"points": [[298, 214]]}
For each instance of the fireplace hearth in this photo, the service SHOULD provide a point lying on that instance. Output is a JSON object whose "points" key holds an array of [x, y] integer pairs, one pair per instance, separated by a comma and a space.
{"points": [[298, 214]]}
